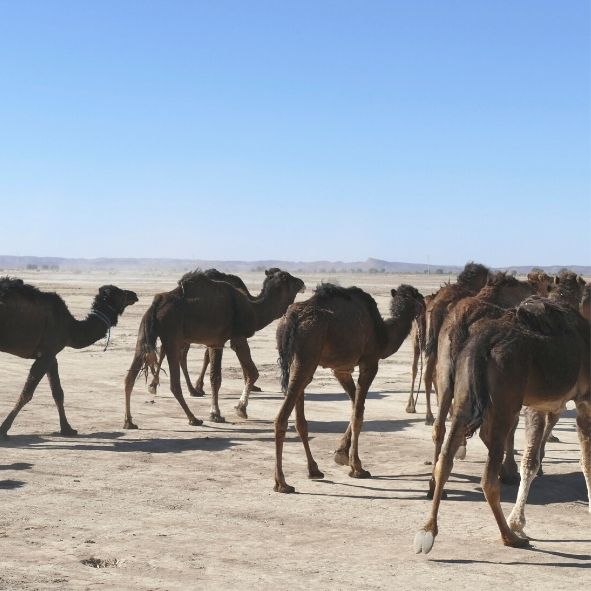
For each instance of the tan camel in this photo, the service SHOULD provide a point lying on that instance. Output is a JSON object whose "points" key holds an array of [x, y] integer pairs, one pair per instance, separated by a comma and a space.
{"points": [[470, 281], [37, 325], [340, 328], [501, 292], [217, 314], [252, 371], [537, 355], [418, 335]]}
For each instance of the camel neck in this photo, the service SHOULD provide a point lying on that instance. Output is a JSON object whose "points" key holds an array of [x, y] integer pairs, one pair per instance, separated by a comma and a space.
{"points": [[398, 328], [267, 308], [85, 332]]}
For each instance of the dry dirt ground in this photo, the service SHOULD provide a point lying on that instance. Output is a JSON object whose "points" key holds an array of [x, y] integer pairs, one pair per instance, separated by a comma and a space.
{"points": [[177, 507]]}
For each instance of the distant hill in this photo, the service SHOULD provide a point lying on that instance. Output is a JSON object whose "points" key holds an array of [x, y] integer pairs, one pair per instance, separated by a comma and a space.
{"points": [[13, 263]]}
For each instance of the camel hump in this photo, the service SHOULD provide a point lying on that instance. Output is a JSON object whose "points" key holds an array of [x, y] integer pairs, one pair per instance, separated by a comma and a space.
{"points": [[542, 315], [14, 285]]}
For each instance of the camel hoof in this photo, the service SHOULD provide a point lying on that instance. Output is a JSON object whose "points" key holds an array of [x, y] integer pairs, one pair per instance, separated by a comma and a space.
{"points": [[509, 478], [283, 488], [68, 432], [196, 393], [217, 418], [359, 474], [341, 458], [553, 439], [461, 453], [195, 422], [315, 474], [129, 425], [540, 471], [254, 388], [4, 437], [152, 389], [241, 411], [411, 409], [517, 542], [424, 541], [429, 421]]}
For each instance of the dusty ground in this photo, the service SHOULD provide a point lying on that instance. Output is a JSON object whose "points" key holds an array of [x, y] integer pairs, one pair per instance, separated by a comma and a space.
{"points": [[177, 507]]}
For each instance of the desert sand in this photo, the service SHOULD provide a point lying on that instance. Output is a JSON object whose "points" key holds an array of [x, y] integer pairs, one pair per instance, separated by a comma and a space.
{"points": [[171, 506]]}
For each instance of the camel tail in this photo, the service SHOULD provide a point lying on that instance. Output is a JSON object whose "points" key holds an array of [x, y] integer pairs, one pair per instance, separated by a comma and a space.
{"points": [[478, 390], [286, 333], [434, 322], [147, 339]]}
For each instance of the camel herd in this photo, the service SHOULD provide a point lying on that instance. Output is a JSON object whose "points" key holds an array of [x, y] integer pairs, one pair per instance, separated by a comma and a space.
{"points": [[492, 345]]}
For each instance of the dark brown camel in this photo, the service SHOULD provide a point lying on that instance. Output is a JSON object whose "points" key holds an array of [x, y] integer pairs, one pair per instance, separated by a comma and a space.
{"points": [[418, 335], [236, 282], [340, 328], [216, 313], [470, 281], [537, 355], [585, 307], [37, 325], [501, 292]]}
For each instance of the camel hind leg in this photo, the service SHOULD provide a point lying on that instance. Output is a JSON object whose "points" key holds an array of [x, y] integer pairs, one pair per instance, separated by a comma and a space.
{"points": [[58, 396], [183, 362], [249, 370], [153, 387], [173, 354], [215, 378], [411, 405], [200, 380], [302, 429], [130, 378], [429, 380], [341, 454]]}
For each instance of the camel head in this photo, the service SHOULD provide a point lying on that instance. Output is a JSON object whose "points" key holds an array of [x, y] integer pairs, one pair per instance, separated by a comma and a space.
{"points": [[568, 287], [474, 276], [112, 301], [541, 281], [284, 282], [405, 297]]}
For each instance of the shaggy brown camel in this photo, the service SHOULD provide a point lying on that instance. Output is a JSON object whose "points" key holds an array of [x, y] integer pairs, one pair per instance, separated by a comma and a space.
{"points": [[37, 325], [186, 285], [537, 355], [470, 281], [419, 331], [340, 328], [217, 314], [501, 292], [585, 307]]}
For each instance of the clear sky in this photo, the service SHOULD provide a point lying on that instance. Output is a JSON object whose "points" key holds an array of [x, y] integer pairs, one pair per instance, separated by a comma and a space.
{"points": [[404, 130]]}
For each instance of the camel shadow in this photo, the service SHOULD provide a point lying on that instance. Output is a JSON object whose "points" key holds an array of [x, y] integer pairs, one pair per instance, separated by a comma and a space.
{"points": [[378, 426], [10, 484], [340, 396], [17, 466]]}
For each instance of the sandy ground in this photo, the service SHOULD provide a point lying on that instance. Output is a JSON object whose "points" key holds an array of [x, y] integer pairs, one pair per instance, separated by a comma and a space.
{"points": [[177, 507]]}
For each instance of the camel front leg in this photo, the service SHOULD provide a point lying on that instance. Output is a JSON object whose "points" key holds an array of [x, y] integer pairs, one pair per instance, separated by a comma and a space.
{"points": [[302, 429], [199, 383], [551, 420], [584, 433], [58, 397], [411, 405], [530, 462], [250, 371], [36, 372], [429, 379], [366, 376], [345, 379], [185, 370], [130, 379], [509, 472], [215, 378]]}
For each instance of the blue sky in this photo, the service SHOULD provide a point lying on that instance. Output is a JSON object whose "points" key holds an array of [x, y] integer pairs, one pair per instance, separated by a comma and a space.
{"points": [[412, 131]]}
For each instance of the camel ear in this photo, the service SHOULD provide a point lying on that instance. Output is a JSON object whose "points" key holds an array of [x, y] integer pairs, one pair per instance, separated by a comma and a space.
{"points": [[580, 280], [267, 272], [105, 291], [393, 292]]}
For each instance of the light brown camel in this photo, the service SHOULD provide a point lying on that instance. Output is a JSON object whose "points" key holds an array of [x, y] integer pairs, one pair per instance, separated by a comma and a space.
{"points": [[186, 285], [340, 328], [470, 281], [501, 292], [219, 313], [37, 325], [418, 335], [537, 355]]}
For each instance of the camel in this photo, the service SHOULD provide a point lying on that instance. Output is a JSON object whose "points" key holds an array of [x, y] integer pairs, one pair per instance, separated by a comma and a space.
{"points": [[537, 355], [215, 313], [340, 328], [37, 325], [185, 284], [585, 306], [501, 292], [470, 281], [418, 337]]}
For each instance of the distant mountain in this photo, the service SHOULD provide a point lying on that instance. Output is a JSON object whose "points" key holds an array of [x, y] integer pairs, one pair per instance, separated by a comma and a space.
{"points": [[12, 263]]}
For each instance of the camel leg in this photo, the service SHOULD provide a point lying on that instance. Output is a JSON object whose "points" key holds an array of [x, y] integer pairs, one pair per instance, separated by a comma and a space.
{"points": [[156, 377], [509, 472], [410, 405], [183, 362], [341, 454], [300, 377], [199, 383], [130, 379], [530, 462], [302, 429], [173, 355], [58, 396], [584, 433], [36, 372], [551, 420], [215, 379], [366, 375], [425, 538], [493, 433], [250, 371], [429, 378]]}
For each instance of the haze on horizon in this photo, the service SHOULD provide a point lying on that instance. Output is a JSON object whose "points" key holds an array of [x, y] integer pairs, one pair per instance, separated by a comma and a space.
{"points": [[406, 131]]}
